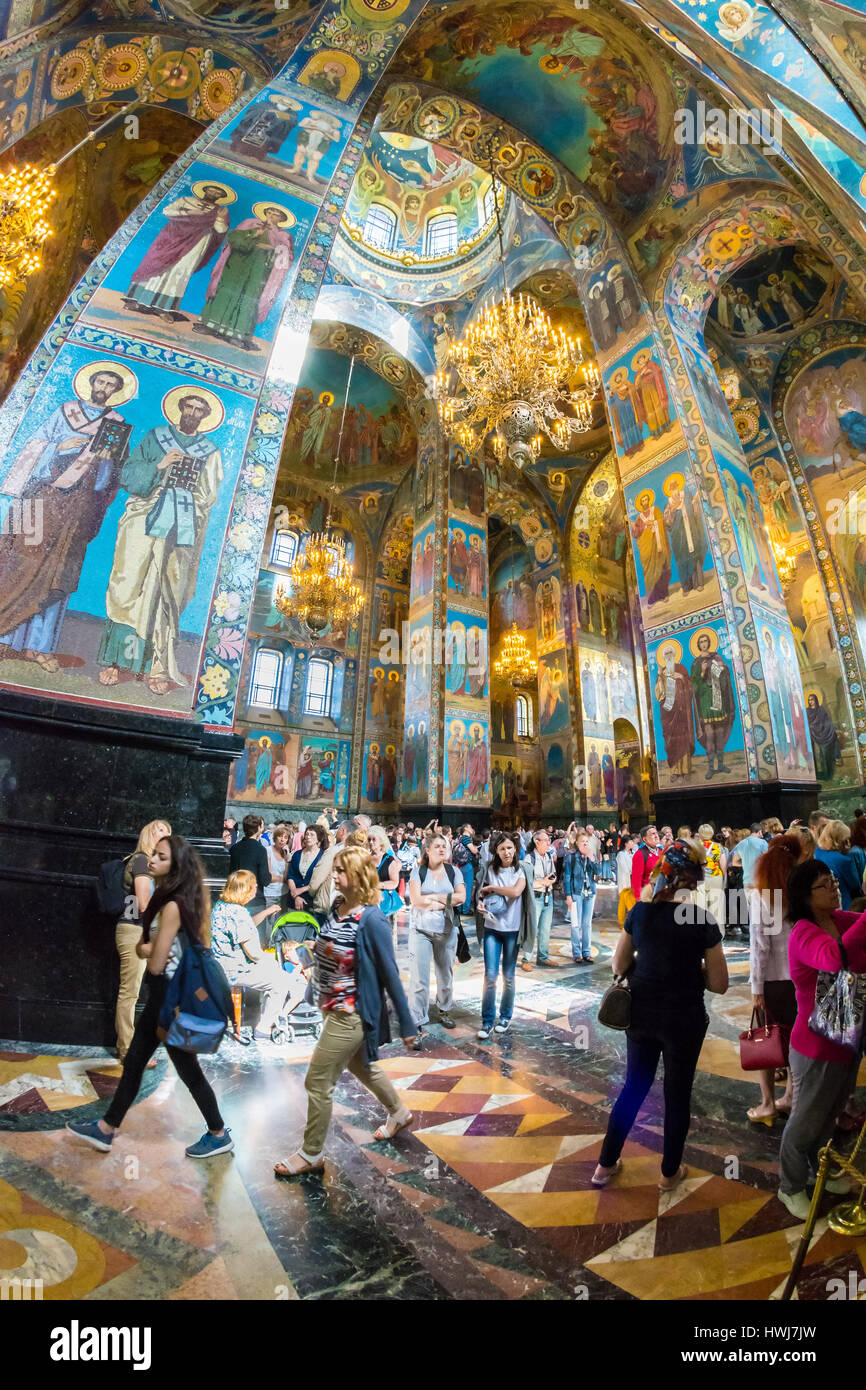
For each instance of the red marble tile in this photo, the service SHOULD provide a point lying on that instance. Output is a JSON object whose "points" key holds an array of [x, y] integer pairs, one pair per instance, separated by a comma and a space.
{"points": [[690, 1231], [28, 1103], [433, 1081], [580, 1243], [494, 1123]]}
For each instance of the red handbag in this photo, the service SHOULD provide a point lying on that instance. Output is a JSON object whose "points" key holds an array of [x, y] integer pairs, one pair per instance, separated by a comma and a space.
{"points": [[763, 1047]]}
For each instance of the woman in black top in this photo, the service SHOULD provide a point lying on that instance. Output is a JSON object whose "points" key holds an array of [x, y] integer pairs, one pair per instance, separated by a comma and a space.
{"points": [[675, 949]]}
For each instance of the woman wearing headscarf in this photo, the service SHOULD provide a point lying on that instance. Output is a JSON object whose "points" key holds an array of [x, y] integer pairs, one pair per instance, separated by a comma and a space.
{"points": [[674, 949]]}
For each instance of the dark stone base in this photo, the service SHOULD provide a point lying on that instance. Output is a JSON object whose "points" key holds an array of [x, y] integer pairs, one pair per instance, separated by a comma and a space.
{"points": [[76, 786], [479, 817], [736, 806]]}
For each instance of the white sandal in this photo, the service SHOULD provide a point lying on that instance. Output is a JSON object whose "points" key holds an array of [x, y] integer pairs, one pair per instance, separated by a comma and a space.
{"points": [[392, 1125]]}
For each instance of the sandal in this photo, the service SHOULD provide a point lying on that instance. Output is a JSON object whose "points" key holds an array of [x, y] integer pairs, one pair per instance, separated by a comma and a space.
{"points": [[668, 1184], [392, 1125], [296, 1166], [757, 1119], [603, 1181]]}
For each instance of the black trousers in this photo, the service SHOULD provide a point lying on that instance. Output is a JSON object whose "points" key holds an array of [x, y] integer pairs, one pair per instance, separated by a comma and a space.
{"points": [[141, 1049], [680, 1046]]}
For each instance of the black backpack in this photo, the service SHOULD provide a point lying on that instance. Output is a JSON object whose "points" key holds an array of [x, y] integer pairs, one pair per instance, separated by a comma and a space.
{"points": [[110, 891]]}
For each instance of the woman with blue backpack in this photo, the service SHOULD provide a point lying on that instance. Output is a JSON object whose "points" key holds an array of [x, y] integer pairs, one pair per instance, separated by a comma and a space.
{"points": [[180, 908]]}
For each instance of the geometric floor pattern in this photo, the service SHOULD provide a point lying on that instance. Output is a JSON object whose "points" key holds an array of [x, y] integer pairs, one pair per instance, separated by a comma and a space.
{"points": [[486, 1197]]}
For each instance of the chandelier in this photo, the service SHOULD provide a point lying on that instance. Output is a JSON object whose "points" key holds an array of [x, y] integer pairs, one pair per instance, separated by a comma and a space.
{"points": [[514, 376], [515, 662], [322, 587], [25, 195]]}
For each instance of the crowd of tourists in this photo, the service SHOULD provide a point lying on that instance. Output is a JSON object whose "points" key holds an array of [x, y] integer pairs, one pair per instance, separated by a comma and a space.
{"points": [[796, 893]]}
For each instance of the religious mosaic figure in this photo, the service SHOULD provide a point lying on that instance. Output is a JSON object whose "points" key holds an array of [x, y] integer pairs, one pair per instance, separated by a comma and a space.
{"points": [[421, 754], [477, 568], [653, 547], [476, 764], [714, 699], [248, 276], [316, 133], [593, 769], [688, 537], [624, 402], [263, 129], [652, 392], [69, 472], [458, 559], [196, 226], [173, 476], [673, 692], [825, 740]]}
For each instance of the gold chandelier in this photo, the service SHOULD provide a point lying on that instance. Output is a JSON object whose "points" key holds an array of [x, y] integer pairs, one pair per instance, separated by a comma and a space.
{"points": [[322, 587], [519, 379], [515, 662], [514, 376], [25, 196]]}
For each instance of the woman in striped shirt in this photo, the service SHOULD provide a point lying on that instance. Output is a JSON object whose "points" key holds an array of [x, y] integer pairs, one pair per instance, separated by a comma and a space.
{"points": [[354, 968]]}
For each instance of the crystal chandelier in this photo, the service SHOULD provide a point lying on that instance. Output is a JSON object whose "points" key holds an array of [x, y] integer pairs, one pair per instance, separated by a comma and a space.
{"points": [[322, 587], [515, 377], [515, 662], [25, 195]]}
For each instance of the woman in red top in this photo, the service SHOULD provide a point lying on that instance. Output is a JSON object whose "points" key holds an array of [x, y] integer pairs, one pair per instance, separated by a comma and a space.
{"points": [[824, 1073]]}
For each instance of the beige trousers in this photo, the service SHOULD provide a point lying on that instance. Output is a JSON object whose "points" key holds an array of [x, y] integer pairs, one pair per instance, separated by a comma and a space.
{"points": [[127, 936], [340, 1047]]}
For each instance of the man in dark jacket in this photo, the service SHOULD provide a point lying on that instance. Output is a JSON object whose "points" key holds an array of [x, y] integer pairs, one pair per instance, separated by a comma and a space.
{"points": [[250, 853]]}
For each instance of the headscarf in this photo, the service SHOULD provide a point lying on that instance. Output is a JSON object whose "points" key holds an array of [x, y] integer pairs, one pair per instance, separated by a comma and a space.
{"points": [[681, 866]]}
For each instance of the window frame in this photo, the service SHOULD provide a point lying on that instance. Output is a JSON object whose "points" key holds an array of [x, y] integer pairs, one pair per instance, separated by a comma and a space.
{"points": [[523, 703], [256, 682], [374, 210], [324, 712], [429, 232], [278, 533]]}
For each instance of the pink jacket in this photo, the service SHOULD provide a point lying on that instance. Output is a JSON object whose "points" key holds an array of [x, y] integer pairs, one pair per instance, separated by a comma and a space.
{"points": [[809, 950]]}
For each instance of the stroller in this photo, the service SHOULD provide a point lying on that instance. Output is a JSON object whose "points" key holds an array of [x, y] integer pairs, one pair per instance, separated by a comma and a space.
{"points": [[298, 929]]}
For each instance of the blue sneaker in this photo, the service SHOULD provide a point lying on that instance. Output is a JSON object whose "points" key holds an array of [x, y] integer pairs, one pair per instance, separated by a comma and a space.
{"points": [[211, 1144], [89, 1130]]}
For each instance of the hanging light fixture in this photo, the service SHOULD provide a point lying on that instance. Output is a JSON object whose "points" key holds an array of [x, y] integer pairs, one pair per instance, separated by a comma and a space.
{"points": [[515, 663], [322, 587], [25, 197], [514, 376]]}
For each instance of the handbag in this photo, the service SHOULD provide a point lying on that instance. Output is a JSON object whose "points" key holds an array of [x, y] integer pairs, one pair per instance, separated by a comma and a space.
{"points": [[840, 1005], [463, 952], [765, 1047], [614, 1011]]}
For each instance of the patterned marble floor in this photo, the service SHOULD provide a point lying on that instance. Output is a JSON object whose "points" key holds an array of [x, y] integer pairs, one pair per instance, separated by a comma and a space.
{"points": [[487, 1197]]}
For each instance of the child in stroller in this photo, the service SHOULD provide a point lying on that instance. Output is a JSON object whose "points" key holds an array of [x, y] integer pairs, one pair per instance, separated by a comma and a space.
{"points": [[293, 938]]}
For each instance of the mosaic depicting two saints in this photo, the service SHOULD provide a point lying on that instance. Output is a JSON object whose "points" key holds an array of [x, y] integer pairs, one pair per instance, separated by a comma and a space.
{"points": [[674, 566], [283, 135], [643, 417], [214, 279], [133, 478]]}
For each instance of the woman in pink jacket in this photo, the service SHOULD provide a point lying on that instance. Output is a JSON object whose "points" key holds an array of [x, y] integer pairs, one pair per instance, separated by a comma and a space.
{"points": [[824, 1073]]}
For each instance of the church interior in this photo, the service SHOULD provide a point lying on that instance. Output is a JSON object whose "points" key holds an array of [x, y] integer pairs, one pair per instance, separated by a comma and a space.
{"points": [[627, 588]]}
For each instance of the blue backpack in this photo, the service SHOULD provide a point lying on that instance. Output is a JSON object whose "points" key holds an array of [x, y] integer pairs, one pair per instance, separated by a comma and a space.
{"points": [[198, 1002]]}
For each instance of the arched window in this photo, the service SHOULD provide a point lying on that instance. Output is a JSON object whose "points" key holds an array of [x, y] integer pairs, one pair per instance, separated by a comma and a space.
{"points": [[284, 548], [442, 234], [380, 226], [523, 714], [265, 683], [317, 696], [489, 204]]}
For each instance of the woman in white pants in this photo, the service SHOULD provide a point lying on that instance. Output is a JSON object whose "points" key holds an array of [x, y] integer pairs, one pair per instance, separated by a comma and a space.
{"points": [[434, 888]]}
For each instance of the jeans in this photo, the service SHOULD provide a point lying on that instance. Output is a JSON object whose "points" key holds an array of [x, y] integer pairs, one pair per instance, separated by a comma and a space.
{"points": [[543, 925], [468, 872], [821, 1090], [141, 1049], [340, 1047], [127, 936], [680, 1046], [581, 925], [499, 948], [440, 950]]}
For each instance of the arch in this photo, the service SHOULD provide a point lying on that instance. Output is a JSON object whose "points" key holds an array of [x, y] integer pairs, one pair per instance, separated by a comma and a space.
{"points": [[318, 687], [380, 226]]}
